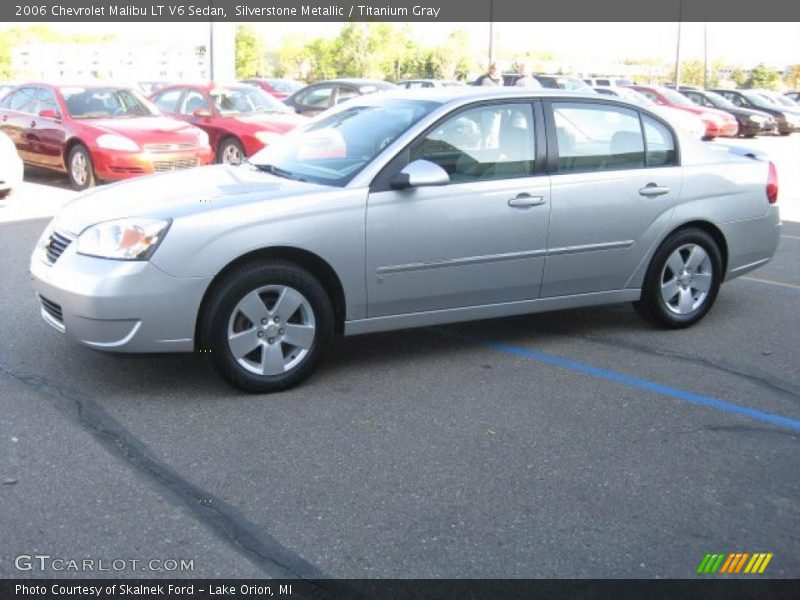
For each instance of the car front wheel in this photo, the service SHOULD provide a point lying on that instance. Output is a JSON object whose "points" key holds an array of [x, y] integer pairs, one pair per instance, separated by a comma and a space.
{"points": [[230, 152], [266, 326], [682, 280], [80, 168]]}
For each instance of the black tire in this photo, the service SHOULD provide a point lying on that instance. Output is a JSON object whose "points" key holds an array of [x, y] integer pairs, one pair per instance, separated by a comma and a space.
{"points": [[4, 194], [227, 146], [79, 152], [652, 306], [218, 315]]}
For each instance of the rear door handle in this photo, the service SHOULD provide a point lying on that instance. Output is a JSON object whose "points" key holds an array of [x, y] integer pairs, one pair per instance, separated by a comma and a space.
{"points": [[652, 189], [526, 201]]}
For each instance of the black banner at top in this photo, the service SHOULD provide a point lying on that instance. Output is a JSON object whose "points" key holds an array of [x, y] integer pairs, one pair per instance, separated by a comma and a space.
{"points": [[400, 10]]}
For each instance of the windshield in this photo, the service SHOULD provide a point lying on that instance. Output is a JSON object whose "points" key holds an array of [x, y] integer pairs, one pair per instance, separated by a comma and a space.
{"points": [[286, 86], [332, 150], [719, 101], [635, 97], [778, 99], [104, 103], [245, 101], [758, 100], [676, 97]]}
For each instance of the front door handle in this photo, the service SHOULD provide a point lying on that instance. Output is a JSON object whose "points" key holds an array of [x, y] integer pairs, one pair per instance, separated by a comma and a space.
{"points": [[526, 201], [652, 189]]}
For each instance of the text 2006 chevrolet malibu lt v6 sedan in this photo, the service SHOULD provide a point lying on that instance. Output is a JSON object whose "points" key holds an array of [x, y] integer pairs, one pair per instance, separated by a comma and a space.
{"points": [[407, 209]]}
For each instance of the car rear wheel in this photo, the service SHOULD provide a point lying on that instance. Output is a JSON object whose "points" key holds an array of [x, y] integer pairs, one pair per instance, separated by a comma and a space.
{"points": [[80, 168], [266, 326], [682, 280], [230, 152]]}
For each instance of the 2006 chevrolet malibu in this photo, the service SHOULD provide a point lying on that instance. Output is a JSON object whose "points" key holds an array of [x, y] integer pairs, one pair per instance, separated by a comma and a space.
{"points": [[402, 210]]}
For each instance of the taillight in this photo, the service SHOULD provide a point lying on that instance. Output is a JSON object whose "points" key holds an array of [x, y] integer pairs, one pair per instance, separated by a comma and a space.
{"points": [[772, 184]]}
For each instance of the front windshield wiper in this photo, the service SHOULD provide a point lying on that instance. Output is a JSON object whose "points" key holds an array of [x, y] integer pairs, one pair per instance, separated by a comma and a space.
{"points": [[277, 171]]}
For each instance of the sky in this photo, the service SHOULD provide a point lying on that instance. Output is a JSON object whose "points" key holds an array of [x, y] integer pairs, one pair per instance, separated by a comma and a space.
{"points": [[746, 44]]}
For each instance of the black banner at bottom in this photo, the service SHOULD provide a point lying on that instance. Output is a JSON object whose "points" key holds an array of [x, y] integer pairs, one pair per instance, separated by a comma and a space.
{"points": [[402, 589]]}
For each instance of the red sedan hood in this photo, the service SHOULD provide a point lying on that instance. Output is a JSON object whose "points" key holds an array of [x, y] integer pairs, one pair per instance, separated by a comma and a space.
{"points": [[698, 110], [148, 130], [277, 122]]}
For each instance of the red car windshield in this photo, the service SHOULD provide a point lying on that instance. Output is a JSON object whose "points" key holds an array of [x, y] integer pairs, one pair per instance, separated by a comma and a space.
{"points": [[106, 103], [245, 101], [676, 97]]}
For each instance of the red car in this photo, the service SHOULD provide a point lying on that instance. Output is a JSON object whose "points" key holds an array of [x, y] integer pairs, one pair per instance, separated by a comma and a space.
{"points": [[718, 123], [278, 88], [97, 132], [240, 119]]}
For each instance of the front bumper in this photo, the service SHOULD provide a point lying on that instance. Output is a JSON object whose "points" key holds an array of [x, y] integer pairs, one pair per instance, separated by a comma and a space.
{"points": [[114, 165], [117, 306]]}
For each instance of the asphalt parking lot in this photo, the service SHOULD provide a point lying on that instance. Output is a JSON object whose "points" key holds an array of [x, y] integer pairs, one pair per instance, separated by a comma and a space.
{"points": [[579, 443]]}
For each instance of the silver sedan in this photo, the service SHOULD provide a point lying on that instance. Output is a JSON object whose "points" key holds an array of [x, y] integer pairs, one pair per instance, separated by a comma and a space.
{"points": [[408, 209]]}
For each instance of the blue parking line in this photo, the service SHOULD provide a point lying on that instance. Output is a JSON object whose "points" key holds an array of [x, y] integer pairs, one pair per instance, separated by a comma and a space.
{"points": [[650, 386]]}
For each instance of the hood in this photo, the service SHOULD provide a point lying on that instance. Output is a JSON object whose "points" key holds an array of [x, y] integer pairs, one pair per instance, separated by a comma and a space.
{"points": [[147, 130], [746, 112], [177, 194], [277, 122]]}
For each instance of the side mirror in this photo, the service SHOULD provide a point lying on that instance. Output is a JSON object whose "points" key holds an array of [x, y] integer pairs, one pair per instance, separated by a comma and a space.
{"points": [[420, 173], [201, 113], [49, 113]]}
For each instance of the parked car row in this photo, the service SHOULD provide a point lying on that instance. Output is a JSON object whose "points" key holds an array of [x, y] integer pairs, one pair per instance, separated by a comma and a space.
{"points": [[106, 132]]}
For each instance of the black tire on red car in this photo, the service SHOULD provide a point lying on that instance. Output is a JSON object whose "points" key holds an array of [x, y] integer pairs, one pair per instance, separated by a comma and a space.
{"points": [[230, 152], [80, 168]]}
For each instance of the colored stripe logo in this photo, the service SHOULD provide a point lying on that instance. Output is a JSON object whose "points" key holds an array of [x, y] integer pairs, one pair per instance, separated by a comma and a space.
{"points": [[734, 562]]}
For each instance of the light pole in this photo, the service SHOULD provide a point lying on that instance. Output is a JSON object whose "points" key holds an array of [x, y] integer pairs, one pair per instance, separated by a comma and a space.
{"points": [[705, 55], [678, 47], [491, 31]]}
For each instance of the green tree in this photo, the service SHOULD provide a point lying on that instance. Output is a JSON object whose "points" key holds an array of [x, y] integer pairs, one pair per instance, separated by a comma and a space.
{"points": [[249, 51], [792, 78], [739, 77], [762, 77]]}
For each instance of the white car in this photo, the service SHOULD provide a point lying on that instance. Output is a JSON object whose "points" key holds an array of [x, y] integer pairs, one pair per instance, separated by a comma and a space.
{"points": [[10, 166]]}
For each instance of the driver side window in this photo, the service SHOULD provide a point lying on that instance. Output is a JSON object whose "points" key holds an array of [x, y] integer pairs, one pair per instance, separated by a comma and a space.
{"points": [[490, 142]]}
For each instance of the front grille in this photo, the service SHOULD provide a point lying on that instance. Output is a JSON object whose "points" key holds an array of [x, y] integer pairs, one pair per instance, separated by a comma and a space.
{"points": [[168, 147], [173, 165], [52, 309], [56, 246]]}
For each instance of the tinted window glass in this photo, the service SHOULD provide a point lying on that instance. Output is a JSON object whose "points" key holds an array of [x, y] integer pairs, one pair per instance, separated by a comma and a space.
{"points": [[660, 143], [594, 137], [345, 93], [45, 100], [168, 101], [490, 142], [103, 103], [192, 101], [319, 97]]}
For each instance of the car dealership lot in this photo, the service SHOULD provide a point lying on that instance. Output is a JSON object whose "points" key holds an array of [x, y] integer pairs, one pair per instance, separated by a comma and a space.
{"points": [[575, 444]]}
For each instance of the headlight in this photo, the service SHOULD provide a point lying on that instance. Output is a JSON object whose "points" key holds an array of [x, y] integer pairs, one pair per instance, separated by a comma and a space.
{"points": [[267, 137], [117, 142], [124, 239]]}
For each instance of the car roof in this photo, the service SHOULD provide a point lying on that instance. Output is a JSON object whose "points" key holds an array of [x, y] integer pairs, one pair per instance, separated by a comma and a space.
{"points": [[445, 95]]}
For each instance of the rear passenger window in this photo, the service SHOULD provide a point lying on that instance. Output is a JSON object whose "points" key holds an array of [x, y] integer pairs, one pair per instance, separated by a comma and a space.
{"points": [[660, 144], [490, 142], [597, 137]]}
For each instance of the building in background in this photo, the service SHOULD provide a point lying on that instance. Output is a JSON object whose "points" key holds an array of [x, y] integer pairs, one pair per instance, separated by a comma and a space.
{"points": [[119, 61]]}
